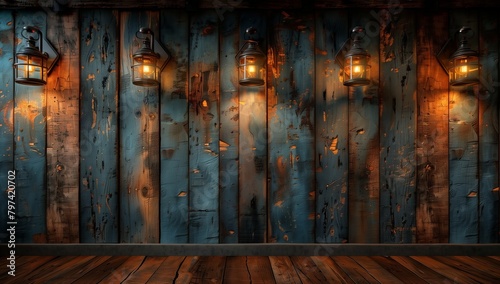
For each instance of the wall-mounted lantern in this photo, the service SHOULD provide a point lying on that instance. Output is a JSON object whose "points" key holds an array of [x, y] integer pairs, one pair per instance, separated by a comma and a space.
{"points": [[32, 65], [355, 61], [251, 61], [462, 65], [148, 64]]}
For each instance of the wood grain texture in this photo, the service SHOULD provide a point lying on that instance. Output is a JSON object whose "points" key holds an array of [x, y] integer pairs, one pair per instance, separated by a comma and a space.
{"points": [[432, 131], [229, 131], [463, 146], [204, 128], [224, 6], [489, 220], [364, 142], [291, 128], [398, 85], [99, 197], [63, 116], [174, 128], [30, 121], [332, 166], [6, 110], [139, 140], [253, 145]]}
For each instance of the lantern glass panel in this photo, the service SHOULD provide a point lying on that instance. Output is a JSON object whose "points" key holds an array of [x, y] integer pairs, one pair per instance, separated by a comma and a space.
{"points": [[251, 68], [31, 69], [464, 70], [145, 71], [357, 70]]}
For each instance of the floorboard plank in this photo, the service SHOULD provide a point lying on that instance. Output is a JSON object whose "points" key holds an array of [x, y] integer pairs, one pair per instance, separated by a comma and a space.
{"points": [[23, 270], [77, 272], [355, 271], [307, 270], [455, 275], [397, 269], [487, 267], [260, 270], [167, 271], [52, 268], [184, 274], [144, 272], [124, 270], [422, 271], [101, 271], [209, 269], [333, 273], [379, 272], [236, 270], [465, 266], [66, 270], [283, 270]]}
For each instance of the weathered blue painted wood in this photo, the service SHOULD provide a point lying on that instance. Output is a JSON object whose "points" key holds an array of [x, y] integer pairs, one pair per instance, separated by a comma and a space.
{"points": [[99, 196], [291, 129], [253, 145], [364, 142], [6, 113], [331, 130], [30, 142], [489, 230], [432, 131], [174, 34], [139, 140], [229, 132], [398, 85], [463, 146], [63, 116], [204, 128]]}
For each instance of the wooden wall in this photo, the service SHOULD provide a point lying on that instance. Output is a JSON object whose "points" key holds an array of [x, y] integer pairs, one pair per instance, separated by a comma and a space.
{"points": [[407, 159]]}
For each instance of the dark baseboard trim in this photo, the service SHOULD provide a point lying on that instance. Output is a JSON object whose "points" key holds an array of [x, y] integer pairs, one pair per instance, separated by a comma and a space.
{"points": [[252, 249]]}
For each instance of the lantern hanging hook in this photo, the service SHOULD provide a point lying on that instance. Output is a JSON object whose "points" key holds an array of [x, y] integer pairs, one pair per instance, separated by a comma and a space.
{"points": [[250, 33], [358, 33], [146, 34], [28, 32]]}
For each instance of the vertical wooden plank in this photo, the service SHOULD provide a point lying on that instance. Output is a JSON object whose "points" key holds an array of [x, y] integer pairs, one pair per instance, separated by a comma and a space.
{"points": [[29, 147], [291, 126], [432, 130], [489, 231], [139, 140], [253, 145], [63, 109], [6, 109], [99, 215], [174, 132], [331, 130], [398, 85], [229, 132], [364, 142], [204, 128], [463, 145]]}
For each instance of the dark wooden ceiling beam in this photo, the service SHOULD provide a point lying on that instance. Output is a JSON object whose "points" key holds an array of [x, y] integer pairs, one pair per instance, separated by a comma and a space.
{"points": [[244, 4]]}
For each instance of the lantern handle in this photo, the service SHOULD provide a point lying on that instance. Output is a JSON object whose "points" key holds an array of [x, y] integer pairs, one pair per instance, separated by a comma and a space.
{"points": [[146, 31], [32, 30], [466, 32], [250, 32], [358, 33]]}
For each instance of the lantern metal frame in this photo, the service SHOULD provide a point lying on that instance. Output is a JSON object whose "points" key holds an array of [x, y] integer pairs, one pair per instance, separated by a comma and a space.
{"points": [[352, 51], [250, 51], [39, 59], [458, 59], [153, 51]]}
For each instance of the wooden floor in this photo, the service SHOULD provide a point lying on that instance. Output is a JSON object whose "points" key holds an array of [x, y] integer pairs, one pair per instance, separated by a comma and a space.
{"points": [[254, 269]]}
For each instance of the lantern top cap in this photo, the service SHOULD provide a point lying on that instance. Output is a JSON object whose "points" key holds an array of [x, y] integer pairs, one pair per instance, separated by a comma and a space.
{"points": [[357, 34], [147, 48], [464, 49]]}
